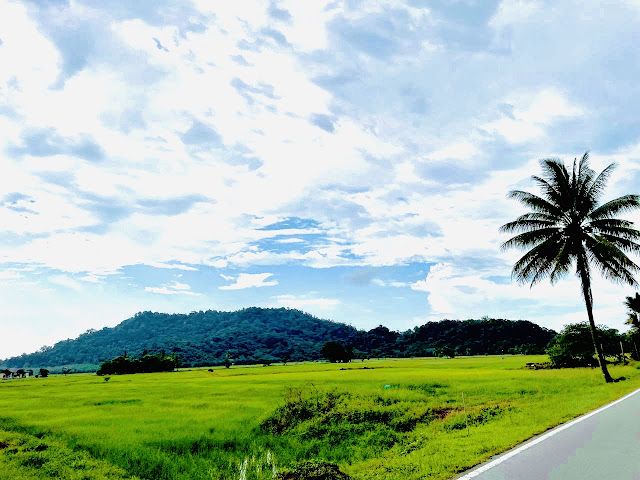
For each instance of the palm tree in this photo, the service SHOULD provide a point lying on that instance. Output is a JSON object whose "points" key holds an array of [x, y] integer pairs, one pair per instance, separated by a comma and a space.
{"points": [[633, 308], [567, 227]]}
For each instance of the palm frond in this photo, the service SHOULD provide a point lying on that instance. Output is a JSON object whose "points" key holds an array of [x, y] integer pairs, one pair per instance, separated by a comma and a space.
{"points": [[585, 172], [606, 223], [598, 185], [633, 304], [528, 239], [616, 206], [537, 263], [626, 245], [634, 321], [612, 262], [562, 264], [557, 175], [583, 202], [550, 191], [536, 203], [526, 225]]}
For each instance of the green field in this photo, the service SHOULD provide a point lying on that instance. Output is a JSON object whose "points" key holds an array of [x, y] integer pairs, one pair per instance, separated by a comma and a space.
{"points": [[393, 419]]}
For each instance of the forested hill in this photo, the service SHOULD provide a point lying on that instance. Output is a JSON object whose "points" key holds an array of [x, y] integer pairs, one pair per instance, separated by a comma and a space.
{"points": [[255, 335]]}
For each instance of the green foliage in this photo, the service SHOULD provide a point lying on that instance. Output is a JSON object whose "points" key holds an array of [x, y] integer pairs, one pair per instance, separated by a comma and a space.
{"points": [[264, 335], [44, 373], [146, 363], [573, 347], [479, 337], [446, 352], [336, 352]]}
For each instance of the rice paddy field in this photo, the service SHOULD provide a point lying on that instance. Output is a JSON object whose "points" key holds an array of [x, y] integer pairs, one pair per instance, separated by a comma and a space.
{"points": [[377, 419]]}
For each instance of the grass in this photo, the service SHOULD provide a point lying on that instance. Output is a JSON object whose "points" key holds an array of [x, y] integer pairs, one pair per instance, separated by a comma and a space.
{"points": [[394, 419], [30, 457]]}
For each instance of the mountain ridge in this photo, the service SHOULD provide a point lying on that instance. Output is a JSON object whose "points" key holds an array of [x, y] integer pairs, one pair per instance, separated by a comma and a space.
{"points": [[265, 335]]}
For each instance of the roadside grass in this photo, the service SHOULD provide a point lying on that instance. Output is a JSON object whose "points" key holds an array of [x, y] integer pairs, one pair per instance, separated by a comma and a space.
{"points": [[395, 419]]}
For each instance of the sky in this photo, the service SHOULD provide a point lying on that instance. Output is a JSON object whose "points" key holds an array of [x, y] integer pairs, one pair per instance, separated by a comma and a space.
{"points": [[350, 159]]}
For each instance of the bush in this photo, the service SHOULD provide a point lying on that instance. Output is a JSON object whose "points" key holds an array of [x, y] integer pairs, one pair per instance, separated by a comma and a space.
{"points": [[314, 471]]}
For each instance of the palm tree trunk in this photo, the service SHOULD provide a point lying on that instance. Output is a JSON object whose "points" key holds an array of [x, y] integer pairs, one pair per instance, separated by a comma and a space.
{"points": [[588, 300]]}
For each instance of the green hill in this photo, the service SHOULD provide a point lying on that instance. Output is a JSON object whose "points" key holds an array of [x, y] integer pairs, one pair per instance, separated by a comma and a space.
{"points": [[255, 335]]}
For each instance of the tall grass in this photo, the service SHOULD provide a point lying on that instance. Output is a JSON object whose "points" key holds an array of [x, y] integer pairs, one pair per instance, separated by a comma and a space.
{"points": [[395, 419]]}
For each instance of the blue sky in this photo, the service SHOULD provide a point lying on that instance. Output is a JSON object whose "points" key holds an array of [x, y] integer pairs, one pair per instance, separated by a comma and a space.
{"points": [[347, 158]]}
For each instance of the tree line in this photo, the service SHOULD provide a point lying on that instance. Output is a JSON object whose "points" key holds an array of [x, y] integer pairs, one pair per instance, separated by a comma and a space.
{"points": [[145, 363]]}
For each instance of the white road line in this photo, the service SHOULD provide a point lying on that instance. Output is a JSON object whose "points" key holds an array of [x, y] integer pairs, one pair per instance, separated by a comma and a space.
{"points": [[522, 448]]}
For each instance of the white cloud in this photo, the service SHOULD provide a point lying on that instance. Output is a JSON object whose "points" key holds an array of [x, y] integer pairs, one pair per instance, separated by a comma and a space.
{"points": [[424, 129], [66, 281], [9, 275], [514, 11], [175, 288], [249, 280], [463, 150], [454, 293], [172, 266], [381, 283], [532, 113], [92, 279], [306, 302]]}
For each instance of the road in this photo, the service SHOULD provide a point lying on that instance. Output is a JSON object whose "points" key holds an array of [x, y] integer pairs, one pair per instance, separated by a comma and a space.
{"points": [[602, 445]]}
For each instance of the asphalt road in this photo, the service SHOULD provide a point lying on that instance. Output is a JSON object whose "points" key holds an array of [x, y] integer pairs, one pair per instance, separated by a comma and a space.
{"points": [[601, 445]]}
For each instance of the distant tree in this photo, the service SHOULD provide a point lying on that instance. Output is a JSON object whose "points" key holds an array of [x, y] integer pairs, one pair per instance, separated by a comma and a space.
{"points": [[611, 340], [44, 373], [336, 352], [632, 340], [144, 364], [567, 227], [227, 360], [446, 351]]}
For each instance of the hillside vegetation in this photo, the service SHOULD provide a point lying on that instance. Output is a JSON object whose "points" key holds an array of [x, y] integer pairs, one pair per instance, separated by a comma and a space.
{"points": [[265, 335]]}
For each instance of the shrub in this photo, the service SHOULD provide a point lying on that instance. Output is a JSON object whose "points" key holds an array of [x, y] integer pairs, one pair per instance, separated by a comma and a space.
{"points": [[314, 471]]}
